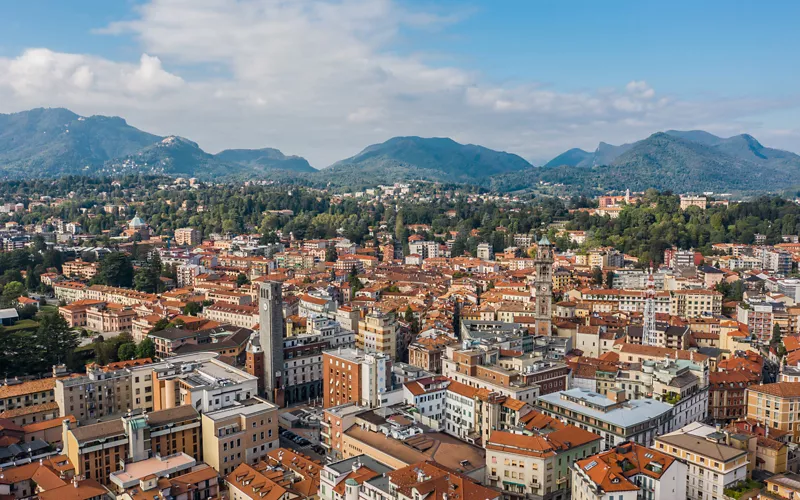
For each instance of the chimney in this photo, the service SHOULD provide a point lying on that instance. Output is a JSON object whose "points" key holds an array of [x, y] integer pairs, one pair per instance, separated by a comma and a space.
{"points": [[75, 481]]}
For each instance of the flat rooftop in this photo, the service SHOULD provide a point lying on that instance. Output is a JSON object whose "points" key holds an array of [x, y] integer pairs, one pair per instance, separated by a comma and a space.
{"points": [[631, 413], [159, 466], [247, 407]]}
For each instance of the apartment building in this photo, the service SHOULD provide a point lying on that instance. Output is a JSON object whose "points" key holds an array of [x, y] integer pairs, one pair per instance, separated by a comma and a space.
{"points": [[521, 378], [693, 303], [201, 483], [243, 316], [377, 332], [427, 352], [629, 472], [353, 376], [15, 394], [335, 421], [616, 419], [187, 236], [96, 450], [537, 466], [302, 355], [79, 269], [726, 394], [776, 406], [243, 433], [102, 391], [201, 381], [712, 463]]}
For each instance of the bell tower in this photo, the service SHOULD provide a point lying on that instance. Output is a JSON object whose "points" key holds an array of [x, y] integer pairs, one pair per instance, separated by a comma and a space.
{"points": [[543, 285]]}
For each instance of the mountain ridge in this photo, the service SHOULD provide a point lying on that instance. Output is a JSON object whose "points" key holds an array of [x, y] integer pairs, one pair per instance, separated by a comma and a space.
{"points": [[47, 142]]}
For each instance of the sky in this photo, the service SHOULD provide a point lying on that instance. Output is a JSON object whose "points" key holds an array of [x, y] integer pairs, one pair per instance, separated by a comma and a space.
{"points": [[325, 78]]}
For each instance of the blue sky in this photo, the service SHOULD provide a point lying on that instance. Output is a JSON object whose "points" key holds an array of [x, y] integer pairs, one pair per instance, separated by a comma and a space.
{"points": [[532, 77]]}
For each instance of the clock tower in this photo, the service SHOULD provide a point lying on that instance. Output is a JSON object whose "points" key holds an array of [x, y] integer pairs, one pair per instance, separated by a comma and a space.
{"points": [[543, 286]]}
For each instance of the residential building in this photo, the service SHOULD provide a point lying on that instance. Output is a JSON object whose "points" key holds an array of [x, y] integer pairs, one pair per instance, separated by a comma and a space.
{"points": [[693, 303], [616, 419], [95, 450], [353, 376], [243, 433], [377, 332], [537, 466], [629, 472], [187, 236], [712, 463], [776, 406]]}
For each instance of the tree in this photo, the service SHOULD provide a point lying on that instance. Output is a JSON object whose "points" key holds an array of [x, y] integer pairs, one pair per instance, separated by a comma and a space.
{"points": [[241, 280], [55, 339], [331, 255], [115, 269], [610, 279], [11, 292], [776, 334], [32, 280], [597, 276], [161, 324], [355, 283], [148, 278], [126, 351], [192, 308], [146, 349], [27, 311]]}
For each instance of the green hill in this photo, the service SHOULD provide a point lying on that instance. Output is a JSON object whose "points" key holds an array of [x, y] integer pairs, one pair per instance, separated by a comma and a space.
{"points": [[437, 159]]}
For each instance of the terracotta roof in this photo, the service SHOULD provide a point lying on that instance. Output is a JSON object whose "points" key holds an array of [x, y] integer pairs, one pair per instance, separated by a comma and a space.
{"points": [[781, 389], [550, 444], [30, 387], [438, 482], [610, 470]]}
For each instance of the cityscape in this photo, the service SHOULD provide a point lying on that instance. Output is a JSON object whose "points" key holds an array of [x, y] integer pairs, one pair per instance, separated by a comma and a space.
{"points": [[503, 307]]}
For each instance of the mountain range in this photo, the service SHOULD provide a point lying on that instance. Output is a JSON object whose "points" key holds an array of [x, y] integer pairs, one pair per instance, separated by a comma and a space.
{"points": [[55, 142], [680, 161]]}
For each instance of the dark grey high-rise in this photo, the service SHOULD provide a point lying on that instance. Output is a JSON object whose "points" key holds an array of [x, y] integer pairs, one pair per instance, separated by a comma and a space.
{"points": [[271, 328]]}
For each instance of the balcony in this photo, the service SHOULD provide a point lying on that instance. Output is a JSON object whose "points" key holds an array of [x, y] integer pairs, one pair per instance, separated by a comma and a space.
{"points": [[492, 477], [562, 480]]}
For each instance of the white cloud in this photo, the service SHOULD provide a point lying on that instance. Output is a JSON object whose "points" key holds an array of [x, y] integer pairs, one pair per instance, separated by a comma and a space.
{"points": [[322, 79]]}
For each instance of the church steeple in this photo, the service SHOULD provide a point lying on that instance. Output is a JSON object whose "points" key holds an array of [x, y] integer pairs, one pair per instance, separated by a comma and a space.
{"points": [[543, 285]]}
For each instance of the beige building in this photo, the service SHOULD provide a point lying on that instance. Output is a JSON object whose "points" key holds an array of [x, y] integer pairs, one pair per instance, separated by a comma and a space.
{"points": [[693, 201], [241, 434], [537, 466], [105, 318], [103, 391], [187, 236], [713, 463], [693, 303], [96, 450], [377, 332], [776, 406], [25, 394]]}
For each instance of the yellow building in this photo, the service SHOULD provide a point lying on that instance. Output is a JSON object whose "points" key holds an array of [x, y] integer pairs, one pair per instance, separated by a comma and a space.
{"points": [[776, 406], [377, 332]]}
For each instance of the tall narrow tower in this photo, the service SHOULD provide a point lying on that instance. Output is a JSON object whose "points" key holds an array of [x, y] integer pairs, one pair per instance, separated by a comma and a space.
{"points": [[649, 333], [544, 287], [271, 333], [254, 360]]}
